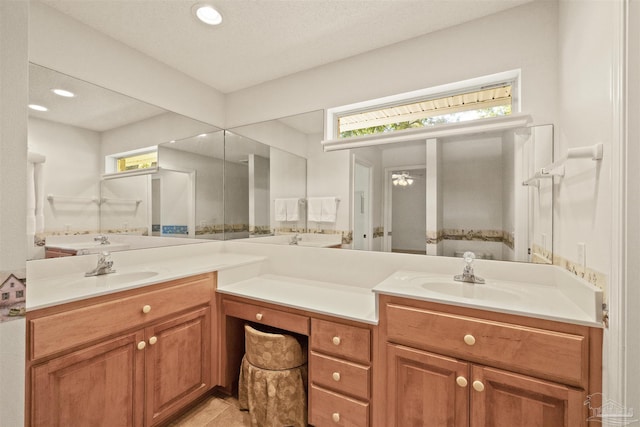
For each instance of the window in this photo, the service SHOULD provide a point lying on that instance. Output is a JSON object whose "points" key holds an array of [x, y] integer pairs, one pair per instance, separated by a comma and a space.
{"points": [[137, 161], [474, 99], [5, 296], [477, 104], [19, 294]]}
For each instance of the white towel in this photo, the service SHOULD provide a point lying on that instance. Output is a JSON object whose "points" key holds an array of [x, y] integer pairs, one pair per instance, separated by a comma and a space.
{"points": [[293, 210], [314, 209], [281, 209], [329, 209]]}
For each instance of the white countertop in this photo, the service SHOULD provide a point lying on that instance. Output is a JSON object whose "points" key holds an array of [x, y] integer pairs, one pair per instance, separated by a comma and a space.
{"points": [[575, 302], [337, 283], [347, 302], [63, 288]]}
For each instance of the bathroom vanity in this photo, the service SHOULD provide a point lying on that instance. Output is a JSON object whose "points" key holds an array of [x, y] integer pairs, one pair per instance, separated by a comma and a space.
{"points": [[131, 357], [392, 341]]}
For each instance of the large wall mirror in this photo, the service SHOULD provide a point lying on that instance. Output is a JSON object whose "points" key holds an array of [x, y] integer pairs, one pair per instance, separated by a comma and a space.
{"points": [[266, 185], [438, 197], [72, 196]]}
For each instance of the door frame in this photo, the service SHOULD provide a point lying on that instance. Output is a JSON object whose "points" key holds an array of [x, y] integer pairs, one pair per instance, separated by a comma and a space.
{"points": [[369, 227]]}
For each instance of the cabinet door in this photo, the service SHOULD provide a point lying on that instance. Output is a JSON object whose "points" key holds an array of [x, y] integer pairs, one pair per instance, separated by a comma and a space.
{"points": [[100, 386], [504, 399], [426, 389], [178, 363]]}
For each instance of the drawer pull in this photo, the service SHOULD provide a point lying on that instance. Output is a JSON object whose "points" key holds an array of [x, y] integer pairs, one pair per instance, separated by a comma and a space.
{"points": [[469, 339], [335, 417], [146, 309], [462, 381], [142, 345], [153, 340], [335, 340], [336, 376], [478, 386], [258, 316]]}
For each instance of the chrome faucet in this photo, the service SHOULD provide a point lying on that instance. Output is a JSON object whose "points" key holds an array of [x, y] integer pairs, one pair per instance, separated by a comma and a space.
{"points": [[295, 239], [104, 240], [468, 275], [104, 266]]}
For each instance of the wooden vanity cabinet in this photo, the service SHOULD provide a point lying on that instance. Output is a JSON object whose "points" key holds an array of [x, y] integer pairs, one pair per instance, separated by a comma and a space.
{"points": [[146, 354], [452, 366], [340, 358]]}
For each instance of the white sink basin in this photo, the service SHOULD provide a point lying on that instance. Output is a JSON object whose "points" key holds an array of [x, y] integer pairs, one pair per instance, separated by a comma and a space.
{"points": [[568, 299], [474, 291], [110, 280]]}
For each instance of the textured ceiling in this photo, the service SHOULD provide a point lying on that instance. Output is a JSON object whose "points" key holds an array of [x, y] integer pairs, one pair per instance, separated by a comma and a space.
{"points": [[262, 40]]}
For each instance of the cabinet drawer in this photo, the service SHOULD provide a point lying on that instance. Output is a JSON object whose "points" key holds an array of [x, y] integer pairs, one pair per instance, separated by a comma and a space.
{"points": [[332, 409], [340, 375], [266, 316], [341, 340], [52, 333], [547, 354]]}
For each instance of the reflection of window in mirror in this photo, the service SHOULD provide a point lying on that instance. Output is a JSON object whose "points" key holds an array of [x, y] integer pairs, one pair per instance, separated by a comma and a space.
{"points": [[139, 161]]}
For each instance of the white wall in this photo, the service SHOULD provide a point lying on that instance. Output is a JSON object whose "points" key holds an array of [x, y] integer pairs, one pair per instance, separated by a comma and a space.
{"points": [[278, 135], [586, 204], [120, 210], [409, 219], [153, 131], [259, 204], [72, 169], [583, 204], [329, 175], [630, 316], [287, 180], [68, 46], [14, 89], [522, 37], [236, 194], [209, 177]]}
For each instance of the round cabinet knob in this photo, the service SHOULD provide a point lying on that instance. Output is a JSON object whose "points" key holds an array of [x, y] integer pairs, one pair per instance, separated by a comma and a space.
{"points": [[146, 309], [469, 339], [461, 381], [336, 376], [258, 316], [335, 417], [335, 340], [153, 340], [478, 386], [142, 345]]}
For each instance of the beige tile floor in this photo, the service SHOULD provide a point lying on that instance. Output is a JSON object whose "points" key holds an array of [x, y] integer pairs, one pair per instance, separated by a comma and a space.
{"points": [[217, 411]]}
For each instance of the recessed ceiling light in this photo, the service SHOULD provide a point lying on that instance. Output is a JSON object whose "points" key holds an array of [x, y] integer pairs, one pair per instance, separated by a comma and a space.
{"points": [[37, 107], [202, 135], [62, 92], [207, 14]]}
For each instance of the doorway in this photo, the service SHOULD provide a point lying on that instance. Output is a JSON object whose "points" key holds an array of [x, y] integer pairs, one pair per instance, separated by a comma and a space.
{"points": [[406, 209]]}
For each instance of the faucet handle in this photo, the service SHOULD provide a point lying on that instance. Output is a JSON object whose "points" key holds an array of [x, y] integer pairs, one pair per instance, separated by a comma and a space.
{"points": [[469, 257]]}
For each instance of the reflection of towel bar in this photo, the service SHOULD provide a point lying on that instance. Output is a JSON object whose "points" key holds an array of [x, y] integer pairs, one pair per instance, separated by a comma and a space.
{"points": [[107, 199], [301, 201], [52, 198]]}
